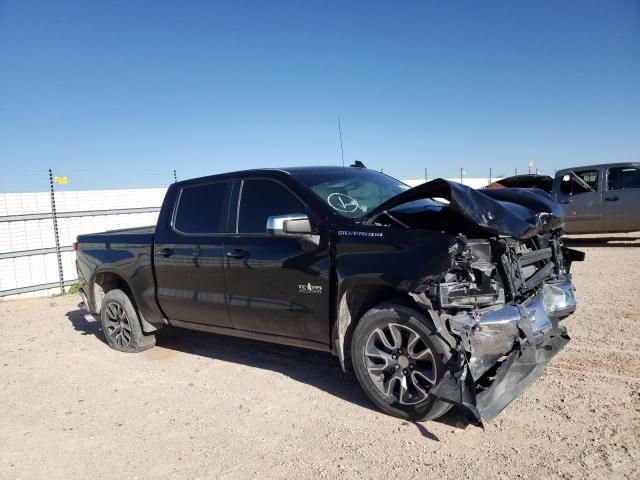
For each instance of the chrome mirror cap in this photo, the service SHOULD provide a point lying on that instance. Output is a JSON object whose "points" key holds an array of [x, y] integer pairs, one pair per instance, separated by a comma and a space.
{"points": [[288, 225]]}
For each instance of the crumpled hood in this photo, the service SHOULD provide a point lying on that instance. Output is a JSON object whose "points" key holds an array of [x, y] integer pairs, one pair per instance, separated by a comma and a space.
{"points": [[515, 212]]}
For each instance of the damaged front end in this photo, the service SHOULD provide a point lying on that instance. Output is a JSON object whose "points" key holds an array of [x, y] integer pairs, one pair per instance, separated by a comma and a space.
{"points": [[505, 294], [502, 301]]}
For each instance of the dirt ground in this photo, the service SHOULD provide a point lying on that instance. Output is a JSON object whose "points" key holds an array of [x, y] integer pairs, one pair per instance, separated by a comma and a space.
{"points": [[206, 406]]}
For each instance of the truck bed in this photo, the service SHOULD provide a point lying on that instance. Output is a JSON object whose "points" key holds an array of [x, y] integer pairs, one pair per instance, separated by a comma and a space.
{"points": [[135, 235]]}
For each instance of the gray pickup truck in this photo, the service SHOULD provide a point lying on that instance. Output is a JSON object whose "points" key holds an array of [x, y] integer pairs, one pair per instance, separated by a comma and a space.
{"points": [[595, 198]]}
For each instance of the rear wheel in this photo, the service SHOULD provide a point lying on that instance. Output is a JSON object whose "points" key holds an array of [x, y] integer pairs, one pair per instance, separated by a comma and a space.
{"points": [[397, 358], [121, 325]]}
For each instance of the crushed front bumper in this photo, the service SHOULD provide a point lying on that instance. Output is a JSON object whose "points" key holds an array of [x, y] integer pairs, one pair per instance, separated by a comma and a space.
{"points": [[506, 349]]}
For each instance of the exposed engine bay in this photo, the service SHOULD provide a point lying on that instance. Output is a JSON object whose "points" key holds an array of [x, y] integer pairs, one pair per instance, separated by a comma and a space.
{"points": [[498, 270]]}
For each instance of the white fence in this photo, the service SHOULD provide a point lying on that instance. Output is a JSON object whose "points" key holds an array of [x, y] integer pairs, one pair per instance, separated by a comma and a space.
{"points": [[28, 254]]}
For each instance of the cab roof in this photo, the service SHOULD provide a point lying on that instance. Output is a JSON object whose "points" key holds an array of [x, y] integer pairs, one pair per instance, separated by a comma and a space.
{"points": [[269, 171]]}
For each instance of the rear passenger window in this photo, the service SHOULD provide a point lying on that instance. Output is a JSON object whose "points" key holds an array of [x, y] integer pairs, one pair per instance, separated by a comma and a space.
{"points": [[623, 178], [200, 209], [262, 199]]}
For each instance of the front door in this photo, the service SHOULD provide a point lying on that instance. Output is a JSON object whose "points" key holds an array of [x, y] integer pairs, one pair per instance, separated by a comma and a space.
{"points": [[580, 194], [622, 199], [276, 285], [188, 256]]}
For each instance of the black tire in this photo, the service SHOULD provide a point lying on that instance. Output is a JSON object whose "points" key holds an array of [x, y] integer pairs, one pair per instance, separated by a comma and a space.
{"points": [[121, 325], [419, 368]]}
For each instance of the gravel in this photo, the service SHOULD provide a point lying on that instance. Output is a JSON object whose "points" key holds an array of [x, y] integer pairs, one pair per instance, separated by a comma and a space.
{"points": [[207, 406]]}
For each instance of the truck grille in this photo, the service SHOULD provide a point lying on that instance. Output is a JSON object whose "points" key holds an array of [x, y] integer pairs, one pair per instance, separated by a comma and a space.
{"points": [[525, 268]]}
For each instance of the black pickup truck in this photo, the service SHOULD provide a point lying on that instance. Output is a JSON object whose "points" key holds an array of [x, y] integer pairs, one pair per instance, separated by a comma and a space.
{"points": [[437, 295]]}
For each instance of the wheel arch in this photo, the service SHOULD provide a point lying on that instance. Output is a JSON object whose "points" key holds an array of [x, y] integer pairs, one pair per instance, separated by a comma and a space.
{"points": [[106, 280], [357, 299], [353, 304]]}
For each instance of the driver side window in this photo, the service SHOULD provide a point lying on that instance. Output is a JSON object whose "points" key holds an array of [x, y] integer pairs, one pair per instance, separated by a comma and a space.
{"points": [[571, 186], [261, 199]]}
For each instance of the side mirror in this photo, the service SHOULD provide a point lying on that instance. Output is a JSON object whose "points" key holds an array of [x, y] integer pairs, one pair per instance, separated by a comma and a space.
{"points": [[293, 224]]}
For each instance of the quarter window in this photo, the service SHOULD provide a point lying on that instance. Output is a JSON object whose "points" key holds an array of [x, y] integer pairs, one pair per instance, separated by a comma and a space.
{"points": [[262, 199], [623, 178], [200, 209]]}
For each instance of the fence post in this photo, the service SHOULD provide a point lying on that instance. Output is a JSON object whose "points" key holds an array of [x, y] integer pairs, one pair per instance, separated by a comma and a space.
{"points": [[55, 231]]}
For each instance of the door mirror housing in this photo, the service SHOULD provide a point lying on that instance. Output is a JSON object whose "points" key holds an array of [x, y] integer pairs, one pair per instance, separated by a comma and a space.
{"points": [[290, 225]]}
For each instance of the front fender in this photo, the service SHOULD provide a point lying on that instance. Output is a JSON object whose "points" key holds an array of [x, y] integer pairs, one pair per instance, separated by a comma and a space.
{"points": [[375, 264]]}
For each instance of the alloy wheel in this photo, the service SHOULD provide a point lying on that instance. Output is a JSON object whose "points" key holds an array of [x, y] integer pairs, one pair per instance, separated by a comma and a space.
{"points": [[400, 363], [118, 326]]}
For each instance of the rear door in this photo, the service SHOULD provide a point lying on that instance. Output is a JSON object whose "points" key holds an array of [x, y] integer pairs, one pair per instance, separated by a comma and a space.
{"points": [[188, 255], [276, 285], [580, 194], [622, 199]]}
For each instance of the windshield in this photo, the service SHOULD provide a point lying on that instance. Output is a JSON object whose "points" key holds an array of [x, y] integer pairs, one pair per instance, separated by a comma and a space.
{"points": [[352, 192]]}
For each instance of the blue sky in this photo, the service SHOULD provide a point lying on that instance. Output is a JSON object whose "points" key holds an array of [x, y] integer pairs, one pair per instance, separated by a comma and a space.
{"points": [[119, 93]]}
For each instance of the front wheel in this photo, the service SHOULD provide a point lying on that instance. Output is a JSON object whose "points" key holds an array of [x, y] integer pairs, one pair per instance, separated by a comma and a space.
{"points": [[121, 325], [397, 358]]}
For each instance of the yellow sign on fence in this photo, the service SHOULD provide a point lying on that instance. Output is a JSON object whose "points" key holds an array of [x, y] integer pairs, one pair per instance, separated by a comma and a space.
{"points": [[62, 180]]}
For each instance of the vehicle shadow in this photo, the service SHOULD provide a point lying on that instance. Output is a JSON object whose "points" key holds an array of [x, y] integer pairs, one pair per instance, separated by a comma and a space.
{"points": [[610, 241], [318, 369]]}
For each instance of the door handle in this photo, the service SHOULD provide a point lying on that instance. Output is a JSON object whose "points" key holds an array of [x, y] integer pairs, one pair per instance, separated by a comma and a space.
{"points": [[565, 201], [615, 198], [237, 253], [165, 252]]}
